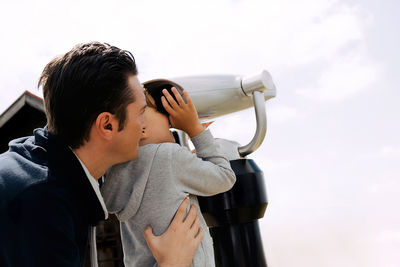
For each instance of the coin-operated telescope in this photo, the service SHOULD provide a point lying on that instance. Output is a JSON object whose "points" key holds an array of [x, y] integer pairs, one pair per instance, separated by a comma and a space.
{"points": [[232, 216]]}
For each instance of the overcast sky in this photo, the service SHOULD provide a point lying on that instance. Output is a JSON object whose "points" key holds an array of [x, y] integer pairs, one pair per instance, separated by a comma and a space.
{"points": [[331, 157]]}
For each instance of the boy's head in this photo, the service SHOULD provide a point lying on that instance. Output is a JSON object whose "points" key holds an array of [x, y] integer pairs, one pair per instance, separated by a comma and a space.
{"points": [[157, 122], [154, 89]]}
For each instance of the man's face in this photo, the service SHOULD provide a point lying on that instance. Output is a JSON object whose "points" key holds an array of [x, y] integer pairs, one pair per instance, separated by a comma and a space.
{"points": [[127, 141]]}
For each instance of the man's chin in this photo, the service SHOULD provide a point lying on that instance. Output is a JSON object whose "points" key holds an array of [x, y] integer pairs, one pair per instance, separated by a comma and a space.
{"points": [[132, 156], [135, 155]]}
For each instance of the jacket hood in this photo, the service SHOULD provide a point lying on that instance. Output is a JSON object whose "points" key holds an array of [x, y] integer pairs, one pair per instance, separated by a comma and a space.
{"points": [[23, 154], [31, 147], [125, 183], [45, 159]]}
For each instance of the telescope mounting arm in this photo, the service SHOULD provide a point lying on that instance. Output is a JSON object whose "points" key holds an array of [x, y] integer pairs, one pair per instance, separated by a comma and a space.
{"points": [[261, 120]]}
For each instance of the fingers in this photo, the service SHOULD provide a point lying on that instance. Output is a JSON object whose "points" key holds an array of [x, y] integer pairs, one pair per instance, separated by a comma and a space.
{"points": [[188, 99], [195, 227], [166, 105], [170, 99], [178, 97], [199, 236], [191, 217], [179, 102], [149, 236], [196, 222], [181, 212]]}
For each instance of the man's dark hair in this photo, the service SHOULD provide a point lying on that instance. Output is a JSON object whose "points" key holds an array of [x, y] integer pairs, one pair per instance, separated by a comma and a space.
{"points": [[90, 79]]}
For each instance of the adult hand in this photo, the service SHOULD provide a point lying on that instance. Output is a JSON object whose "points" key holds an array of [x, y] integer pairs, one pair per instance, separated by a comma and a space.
{"points": [[176, 246], [182, 116]]}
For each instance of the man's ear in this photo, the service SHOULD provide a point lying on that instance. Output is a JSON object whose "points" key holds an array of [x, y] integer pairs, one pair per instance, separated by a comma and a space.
{"points": [[106, 125]]}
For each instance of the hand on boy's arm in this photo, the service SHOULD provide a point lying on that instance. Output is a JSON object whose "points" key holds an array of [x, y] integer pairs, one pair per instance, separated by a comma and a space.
{"points": [[176, 247], [182, 116]]}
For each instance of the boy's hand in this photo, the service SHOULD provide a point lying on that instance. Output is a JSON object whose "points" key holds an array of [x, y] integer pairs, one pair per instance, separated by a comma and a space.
{"points": [[182, 116], [206, 124], [176, 246]]}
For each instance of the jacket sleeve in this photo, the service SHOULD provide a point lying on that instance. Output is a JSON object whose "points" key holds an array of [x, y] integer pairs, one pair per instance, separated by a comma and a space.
{"points": [[44, 229], [206, 173]]}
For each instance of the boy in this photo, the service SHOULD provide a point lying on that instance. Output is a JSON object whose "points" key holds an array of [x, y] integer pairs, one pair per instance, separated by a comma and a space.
{"points": [[164, 174]]}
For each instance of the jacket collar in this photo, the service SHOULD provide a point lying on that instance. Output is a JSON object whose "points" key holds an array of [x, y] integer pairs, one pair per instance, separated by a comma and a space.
{"points": [[66, 168]]}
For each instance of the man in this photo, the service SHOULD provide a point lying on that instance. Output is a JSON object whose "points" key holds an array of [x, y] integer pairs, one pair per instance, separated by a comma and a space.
{"points": [[49, 194]]}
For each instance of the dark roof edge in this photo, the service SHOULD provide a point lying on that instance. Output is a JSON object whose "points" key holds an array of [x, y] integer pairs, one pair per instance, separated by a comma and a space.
{"points": [[26, 98]]}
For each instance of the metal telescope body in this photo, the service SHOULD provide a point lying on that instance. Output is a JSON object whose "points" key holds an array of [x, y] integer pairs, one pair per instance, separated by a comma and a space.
{"points": [[233, 216], [217, 95]]}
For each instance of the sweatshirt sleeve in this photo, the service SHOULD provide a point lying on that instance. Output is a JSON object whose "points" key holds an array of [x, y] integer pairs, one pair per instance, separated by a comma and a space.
{"points": [[206, 173]]}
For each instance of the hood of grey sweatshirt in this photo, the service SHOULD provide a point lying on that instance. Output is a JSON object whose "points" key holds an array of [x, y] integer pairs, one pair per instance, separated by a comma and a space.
{"points": [[126, 182], [148, 191]]}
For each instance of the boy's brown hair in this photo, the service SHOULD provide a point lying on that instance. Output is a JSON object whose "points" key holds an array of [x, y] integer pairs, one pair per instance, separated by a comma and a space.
{"points": [[153, 93]]}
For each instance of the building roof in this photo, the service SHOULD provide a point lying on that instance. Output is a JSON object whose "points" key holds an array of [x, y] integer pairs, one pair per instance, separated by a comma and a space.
{"points": [[27, 98], [21, 118]]}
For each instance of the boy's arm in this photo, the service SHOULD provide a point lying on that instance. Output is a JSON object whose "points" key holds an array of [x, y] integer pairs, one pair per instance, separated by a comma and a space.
{"points": [[206, 173], [176, 247], [209, 172]]}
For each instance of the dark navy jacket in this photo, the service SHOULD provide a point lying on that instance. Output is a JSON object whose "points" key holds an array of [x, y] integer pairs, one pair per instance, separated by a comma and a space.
{"points": [[46, 204]]}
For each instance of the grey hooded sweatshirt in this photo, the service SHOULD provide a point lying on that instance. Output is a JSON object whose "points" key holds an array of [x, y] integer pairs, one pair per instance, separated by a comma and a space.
{"points": [[148, 191]]}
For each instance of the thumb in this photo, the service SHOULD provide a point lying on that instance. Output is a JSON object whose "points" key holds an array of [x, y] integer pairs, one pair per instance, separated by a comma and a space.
{"points": [[149, 236], [206, 124]]}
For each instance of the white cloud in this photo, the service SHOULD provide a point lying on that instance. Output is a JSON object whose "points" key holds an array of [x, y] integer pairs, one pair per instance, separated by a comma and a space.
{"points": [[282, 113], [187, 37], [392, 236], [386, 152], [345, 77], [389, 152]]}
